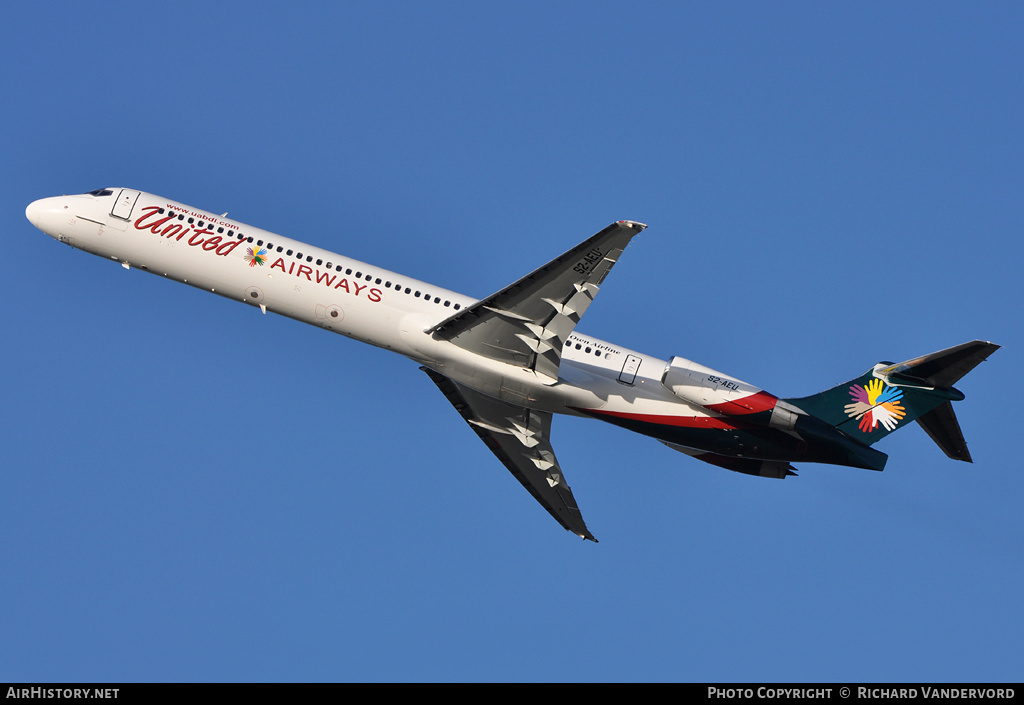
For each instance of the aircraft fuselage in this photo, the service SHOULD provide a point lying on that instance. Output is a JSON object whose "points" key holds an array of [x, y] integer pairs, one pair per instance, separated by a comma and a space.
{"points": [[392, 311], [506, 362]]}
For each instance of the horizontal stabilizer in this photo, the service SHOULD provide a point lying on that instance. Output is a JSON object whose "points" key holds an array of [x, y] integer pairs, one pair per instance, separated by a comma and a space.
{"points": [[942, 427], [940, 369]]}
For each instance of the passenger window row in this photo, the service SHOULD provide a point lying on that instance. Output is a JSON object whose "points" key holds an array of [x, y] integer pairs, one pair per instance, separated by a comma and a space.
{"points": [[587, 349], [309, 258]]}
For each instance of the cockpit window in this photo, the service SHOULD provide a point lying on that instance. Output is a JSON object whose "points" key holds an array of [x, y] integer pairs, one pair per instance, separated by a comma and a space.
{"points": [[101, 192]]}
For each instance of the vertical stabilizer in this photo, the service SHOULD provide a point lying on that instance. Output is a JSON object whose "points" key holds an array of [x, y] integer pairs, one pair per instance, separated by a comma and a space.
{"points": [[890, 396]]}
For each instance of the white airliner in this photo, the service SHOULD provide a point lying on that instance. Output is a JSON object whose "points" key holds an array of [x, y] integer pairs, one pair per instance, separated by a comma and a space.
{"points": [[511, 361]]}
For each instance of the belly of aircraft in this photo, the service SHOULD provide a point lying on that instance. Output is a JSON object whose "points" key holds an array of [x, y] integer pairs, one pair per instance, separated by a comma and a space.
{"points": [[713, 434]]}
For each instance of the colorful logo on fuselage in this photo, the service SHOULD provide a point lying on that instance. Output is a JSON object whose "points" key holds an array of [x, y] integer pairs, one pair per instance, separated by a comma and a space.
{"points": [[256, 256], [875, 404]]}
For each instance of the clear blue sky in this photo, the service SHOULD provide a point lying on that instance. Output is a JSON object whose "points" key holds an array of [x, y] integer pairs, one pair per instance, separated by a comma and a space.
{"points": [[194, 491]]}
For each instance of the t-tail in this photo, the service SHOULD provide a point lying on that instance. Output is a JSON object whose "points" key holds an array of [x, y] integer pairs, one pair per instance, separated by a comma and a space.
{"points": [[890, 396]]}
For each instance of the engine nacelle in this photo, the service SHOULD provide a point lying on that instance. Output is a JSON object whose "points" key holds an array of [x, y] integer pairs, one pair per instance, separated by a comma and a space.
{"points": [[722, 394]]}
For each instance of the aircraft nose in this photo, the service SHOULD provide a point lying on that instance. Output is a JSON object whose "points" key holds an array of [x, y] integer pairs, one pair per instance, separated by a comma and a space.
{"points": [[33, 212], [47, 214]]}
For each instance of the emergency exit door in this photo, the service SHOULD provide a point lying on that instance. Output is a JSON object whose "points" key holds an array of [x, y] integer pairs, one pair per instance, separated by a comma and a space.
{"points": [[629, 369]]}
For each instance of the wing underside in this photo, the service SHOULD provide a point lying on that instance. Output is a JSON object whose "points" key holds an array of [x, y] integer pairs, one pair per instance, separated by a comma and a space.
{"points": [[527, 324], [519, 437]]}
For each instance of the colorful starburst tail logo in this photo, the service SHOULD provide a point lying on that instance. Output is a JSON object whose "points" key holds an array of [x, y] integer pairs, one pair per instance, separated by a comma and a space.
{"points": [[256, 256], [877, 403]]}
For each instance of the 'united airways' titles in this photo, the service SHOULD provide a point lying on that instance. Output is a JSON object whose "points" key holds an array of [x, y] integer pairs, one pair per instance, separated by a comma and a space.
{"points": [[204, 238]]}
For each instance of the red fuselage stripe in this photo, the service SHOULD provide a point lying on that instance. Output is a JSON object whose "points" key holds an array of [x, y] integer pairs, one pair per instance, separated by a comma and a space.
{"points": [[662, 420]]}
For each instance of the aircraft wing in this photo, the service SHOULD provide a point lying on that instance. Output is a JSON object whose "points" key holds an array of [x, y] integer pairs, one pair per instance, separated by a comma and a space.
{"points": [[519, 437], [528, 322]]}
